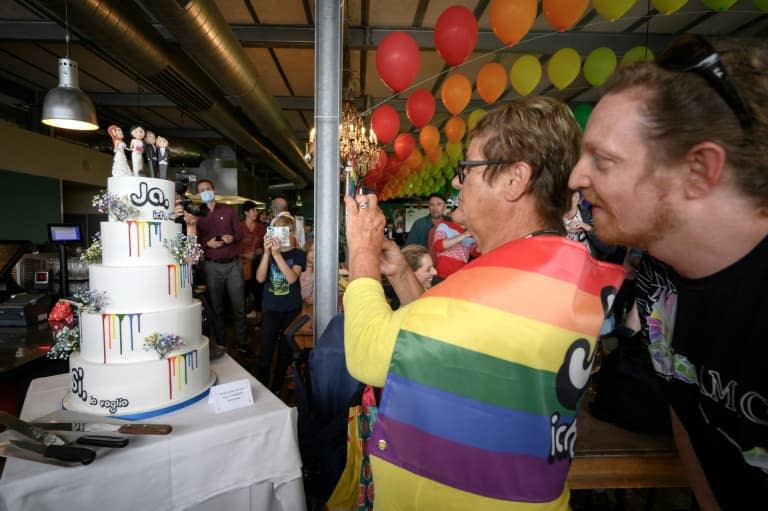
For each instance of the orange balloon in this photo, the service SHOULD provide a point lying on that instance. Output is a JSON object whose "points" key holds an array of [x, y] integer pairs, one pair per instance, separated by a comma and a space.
{"points": [[512, 19], [455, 93], [491, 81], [561, 14], [435, 154], [455, 129], [429, 138], [415, 160]]}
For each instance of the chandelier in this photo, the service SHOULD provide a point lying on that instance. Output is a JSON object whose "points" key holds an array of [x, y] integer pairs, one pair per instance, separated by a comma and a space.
{"points": [[358, 145]]}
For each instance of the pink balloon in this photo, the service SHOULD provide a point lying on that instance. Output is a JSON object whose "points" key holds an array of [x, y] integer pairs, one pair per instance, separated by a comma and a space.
{"points": [[420, 107], [404, 145], [385, 122], [397, 60], [455, 34]]}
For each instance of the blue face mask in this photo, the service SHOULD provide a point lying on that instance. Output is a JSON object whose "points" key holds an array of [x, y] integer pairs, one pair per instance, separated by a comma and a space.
{"points": [[206, 195]]}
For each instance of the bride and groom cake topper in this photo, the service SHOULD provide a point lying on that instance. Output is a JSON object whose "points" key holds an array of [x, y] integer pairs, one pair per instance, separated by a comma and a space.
{"points": [[145, 146]]}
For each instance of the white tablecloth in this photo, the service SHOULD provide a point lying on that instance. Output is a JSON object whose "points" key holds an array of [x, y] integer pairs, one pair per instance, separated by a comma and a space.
{"points": [[245, 459]]}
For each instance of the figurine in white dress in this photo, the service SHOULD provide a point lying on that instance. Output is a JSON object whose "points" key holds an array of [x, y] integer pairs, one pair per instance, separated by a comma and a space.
{"points": [[120, 162], [137, 149]]}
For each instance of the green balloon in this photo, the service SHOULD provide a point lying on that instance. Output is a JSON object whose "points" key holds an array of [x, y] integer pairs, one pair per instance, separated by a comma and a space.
{"points": [[454, 150], [719, 5], [635, 54], [581, 112]]}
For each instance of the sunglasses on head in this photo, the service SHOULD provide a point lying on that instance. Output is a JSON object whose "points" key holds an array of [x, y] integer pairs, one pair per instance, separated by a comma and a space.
{"points": [[692, 53], [463, 166]]}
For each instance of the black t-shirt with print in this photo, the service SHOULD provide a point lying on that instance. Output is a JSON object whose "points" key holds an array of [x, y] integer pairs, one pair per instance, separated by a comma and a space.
{"points": [[715, 370], [278, 295]]}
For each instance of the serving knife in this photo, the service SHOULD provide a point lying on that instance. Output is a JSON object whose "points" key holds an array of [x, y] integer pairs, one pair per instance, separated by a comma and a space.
{"points": [[105, 427], [30, 431], [102, 440], [59, 452]]}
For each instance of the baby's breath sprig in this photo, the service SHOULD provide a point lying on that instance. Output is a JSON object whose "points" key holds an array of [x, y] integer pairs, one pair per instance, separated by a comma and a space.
{"points": [[90, 300], [93, 253], [162, 343], [118, 208], [184, 249], [66, 340]]}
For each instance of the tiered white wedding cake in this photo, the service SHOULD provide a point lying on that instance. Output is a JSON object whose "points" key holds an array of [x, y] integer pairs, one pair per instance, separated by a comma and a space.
{"points": [[143, 353]]}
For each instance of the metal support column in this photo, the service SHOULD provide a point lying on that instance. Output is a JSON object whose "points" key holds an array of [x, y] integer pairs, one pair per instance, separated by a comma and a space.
{"points": [[328, 46]]}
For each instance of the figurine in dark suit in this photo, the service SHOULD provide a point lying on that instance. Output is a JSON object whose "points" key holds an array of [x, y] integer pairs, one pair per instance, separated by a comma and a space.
{"points": [[150, 152], [163, 155]]}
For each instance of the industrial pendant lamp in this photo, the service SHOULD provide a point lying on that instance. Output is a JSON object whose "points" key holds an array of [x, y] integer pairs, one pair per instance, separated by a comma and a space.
{"points": [[67, 106]]}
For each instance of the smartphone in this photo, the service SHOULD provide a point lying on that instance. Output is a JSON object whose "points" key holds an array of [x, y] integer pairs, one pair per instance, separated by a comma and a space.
{"points": [[282, 234], [218, 237], [350, 181]]}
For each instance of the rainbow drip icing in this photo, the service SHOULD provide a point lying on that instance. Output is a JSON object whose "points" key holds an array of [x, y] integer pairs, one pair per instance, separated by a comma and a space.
{"points": [[141, 236], [179, 275], [112, 325], [178, 368]]}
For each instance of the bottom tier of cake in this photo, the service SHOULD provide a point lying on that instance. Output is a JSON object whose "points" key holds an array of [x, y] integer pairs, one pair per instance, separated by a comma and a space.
{"points": [[140, 389]]}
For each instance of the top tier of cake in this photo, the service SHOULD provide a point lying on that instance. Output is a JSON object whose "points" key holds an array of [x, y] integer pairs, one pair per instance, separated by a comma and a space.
{"points": [[154, 198], [139, 240]]}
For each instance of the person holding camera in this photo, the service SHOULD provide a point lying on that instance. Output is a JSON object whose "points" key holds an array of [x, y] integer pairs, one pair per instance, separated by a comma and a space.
{"points": [[219, 232], [484, 373], [280, 271]]}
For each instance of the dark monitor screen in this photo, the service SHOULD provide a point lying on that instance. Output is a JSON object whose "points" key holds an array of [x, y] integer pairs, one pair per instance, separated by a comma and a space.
{"points": [[64, 233]]}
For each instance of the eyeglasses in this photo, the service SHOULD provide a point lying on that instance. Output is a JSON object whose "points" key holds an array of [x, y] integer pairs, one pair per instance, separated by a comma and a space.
{"points": [[464, 165], [693, 53]]}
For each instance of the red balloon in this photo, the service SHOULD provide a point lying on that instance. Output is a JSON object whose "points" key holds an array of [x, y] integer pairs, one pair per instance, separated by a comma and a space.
{"points": [[455, 34], [404, 145], [393, 165], [420, 107], [382, 159], [397, 60], [372, 177], [385, 122]]}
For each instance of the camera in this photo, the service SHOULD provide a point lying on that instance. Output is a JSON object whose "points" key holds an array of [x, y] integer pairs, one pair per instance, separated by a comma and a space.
{"points": [[182, 183]]}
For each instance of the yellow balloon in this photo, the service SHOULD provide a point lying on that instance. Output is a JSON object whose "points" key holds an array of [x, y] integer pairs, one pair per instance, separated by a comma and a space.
{"points": [[599, 65], [613, 9], [668, 6], [474, 117], [563, 67], [525, 74], [635, 54]]}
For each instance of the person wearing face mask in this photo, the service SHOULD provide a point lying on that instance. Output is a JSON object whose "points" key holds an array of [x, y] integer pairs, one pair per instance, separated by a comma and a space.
{"points": [[219, 233], [279, 270]]}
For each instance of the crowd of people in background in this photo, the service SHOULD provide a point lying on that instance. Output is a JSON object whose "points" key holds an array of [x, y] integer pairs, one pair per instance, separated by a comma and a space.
{"points": [[466, 332]]}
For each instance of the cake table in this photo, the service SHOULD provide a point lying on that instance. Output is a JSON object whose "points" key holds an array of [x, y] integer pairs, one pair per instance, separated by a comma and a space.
{"points": [[245, 459]]}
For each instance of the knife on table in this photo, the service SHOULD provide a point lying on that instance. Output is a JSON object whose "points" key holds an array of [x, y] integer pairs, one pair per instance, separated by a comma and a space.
{"points": [[105, 427], [102, 441], [59, 452], [30, 431]]}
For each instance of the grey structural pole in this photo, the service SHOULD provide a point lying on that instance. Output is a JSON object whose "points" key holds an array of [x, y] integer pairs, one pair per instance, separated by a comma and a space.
{"points": [[328, 47]]}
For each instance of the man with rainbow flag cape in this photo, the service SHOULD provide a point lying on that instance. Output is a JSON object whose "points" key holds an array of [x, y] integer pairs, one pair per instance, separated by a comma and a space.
{"points": [[483, 374]]}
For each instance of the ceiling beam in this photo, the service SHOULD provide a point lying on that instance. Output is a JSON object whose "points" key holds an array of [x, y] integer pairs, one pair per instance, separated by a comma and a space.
{"points": [[303, 36], [546, 42]]}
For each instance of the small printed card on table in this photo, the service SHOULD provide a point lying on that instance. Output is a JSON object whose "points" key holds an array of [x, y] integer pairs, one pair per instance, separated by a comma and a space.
{"points": [[230, 396]]}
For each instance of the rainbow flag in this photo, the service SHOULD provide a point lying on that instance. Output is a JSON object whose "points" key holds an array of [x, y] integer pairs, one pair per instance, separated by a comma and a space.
{"points": [[487, 374]]}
